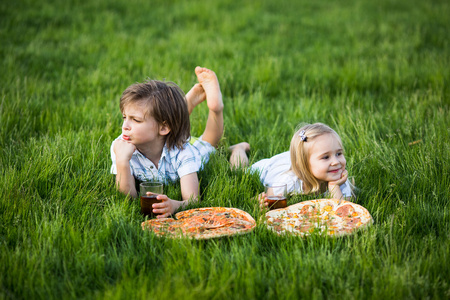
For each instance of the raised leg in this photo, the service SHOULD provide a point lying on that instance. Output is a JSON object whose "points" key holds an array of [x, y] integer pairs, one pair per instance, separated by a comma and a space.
{"points": [[195, 96], [214, 125]]}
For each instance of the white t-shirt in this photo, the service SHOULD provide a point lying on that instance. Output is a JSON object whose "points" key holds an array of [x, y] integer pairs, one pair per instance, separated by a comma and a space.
{"points": [[276, 169]]}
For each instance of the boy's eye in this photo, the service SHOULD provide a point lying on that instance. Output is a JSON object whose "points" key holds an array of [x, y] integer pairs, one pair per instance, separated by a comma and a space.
{"points": [[137, 121], [325, 157]]}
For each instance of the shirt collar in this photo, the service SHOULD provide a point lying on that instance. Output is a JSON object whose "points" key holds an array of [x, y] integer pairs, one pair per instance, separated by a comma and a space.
{"points": [[165, 152]]}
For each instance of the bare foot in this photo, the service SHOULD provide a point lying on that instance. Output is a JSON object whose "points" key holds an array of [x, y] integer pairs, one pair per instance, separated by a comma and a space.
{"points": [[239, 156], [210, 84], [195, 96]]}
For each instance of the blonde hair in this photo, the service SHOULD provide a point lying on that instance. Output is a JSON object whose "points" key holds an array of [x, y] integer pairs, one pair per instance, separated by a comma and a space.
{"points": [[300, 147]]}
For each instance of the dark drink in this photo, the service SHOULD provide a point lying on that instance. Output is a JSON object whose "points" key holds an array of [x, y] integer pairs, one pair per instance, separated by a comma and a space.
{"points": [[146, 205], [277, 202]]}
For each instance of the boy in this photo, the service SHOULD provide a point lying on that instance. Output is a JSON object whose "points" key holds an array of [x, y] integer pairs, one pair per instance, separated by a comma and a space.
{"points": [[155, 132]]}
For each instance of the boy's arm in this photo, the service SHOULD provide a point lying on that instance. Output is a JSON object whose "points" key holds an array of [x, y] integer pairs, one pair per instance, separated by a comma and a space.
{"points": [[189, 192], [125, 182], [189, 187]]}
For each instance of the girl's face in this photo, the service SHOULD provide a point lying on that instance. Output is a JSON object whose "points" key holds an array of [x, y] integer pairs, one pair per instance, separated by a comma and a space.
{"points": [[326, 158]]}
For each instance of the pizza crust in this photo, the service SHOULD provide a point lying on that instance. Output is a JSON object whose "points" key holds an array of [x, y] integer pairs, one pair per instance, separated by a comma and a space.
{"points": [[333, 217], [203, 223]]}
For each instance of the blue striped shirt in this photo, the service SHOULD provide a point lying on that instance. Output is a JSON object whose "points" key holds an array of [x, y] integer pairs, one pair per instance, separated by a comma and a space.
{"points": [[172, 165]]}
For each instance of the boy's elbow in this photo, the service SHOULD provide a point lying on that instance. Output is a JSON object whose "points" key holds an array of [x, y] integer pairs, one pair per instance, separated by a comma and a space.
{"points": [[129, 192], [126, 189]]}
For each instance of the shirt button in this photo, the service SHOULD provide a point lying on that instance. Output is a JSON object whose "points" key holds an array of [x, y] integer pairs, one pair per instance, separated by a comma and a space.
{"points": [[151, 167]]}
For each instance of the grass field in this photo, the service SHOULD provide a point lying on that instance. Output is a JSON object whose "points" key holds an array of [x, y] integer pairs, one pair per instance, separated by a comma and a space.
{"points": [[376, 71]]}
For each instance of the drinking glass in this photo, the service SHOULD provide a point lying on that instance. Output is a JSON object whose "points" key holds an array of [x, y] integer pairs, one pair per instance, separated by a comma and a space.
{"points": [[276, 194], [148, 191]]}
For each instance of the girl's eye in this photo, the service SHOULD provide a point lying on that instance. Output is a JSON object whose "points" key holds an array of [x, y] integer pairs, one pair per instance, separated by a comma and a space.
{"points": [[123, 117], [137, 121], [325, 157], [339, 154]]}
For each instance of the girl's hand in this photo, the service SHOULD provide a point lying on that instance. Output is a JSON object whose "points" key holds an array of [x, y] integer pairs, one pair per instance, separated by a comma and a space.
{"points": [[166, 208], [340, 181], [334, 186], [123, 150], [263, 201]]}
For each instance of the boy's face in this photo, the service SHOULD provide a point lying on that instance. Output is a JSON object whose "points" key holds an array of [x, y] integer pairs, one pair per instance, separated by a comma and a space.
{"points": [[140, 128], [326, 160]]}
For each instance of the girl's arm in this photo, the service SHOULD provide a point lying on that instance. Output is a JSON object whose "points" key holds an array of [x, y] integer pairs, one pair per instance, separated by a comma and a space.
{"points": [[189, 192], [263, 201], [334, 187]]}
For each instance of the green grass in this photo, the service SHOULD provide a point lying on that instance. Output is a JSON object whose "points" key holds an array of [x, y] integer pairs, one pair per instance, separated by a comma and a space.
{"points": [[376, 71]]}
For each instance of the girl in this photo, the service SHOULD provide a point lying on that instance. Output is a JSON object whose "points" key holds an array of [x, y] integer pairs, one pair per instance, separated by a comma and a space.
{"points": [[314, 164]]}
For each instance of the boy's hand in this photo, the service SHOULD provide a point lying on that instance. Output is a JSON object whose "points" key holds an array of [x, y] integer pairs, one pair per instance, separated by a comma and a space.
{"points": [[263, 201], [165, 208], [123, 150]]}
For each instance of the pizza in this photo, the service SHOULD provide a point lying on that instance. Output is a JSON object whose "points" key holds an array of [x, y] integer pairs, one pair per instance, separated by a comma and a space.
{"points": [[202, 223], [333, 217]]}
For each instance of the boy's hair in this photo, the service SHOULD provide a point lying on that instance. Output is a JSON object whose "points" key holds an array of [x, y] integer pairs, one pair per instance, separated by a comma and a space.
{"points": [[166, 103], [300, 147]]}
